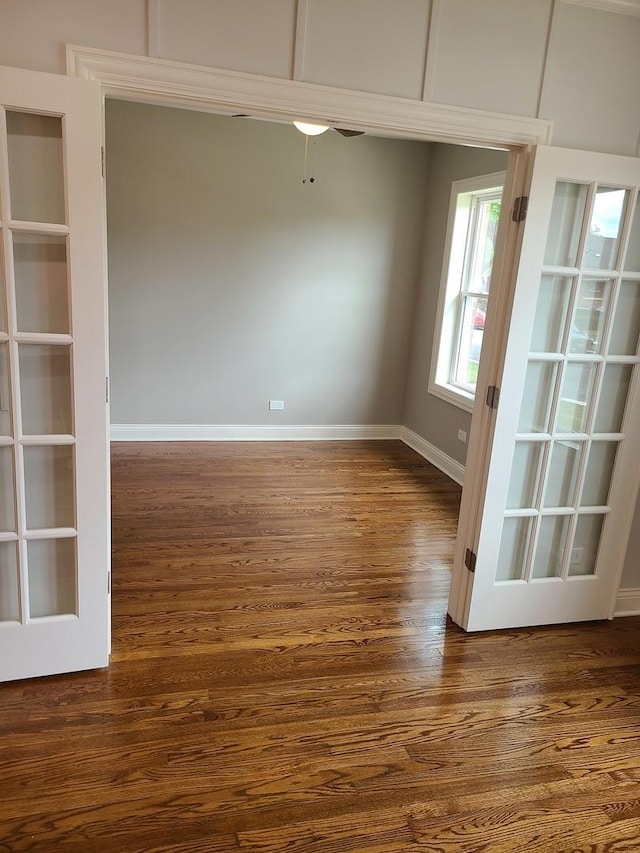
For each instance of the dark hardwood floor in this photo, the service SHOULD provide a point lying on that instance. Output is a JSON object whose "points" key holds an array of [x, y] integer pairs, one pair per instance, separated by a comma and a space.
{"points": [[284, 679]]}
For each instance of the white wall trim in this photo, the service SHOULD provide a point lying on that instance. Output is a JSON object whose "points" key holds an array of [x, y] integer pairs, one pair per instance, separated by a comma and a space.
{"points": [[300, 39], [259, 432], [153, 80], [621, 7], [153, 27], [553, 6], [430, 52], [432, 454], [628, 602]]}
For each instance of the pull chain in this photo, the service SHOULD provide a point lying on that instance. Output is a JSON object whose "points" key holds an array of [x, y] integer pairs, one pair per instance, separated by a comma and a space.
{"points": [[307, 158]]}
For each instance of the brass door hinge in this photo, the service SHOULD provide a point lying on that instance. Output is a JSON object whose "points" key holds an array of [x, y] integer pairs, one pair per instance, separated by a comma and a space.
{"points": [[470, 560], [493, 396], [520, 205]]}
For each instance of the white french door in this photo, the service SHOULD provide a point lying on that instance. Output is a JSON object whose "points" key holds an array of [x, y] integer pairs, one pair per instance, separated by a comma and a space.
{"points": [[54, 509], [563, 464]]}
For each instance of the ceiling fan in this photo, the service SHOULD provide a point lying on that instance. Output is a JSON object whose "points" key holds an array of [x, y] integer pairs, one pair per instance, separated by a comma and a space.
{"points": [[314, 128]]}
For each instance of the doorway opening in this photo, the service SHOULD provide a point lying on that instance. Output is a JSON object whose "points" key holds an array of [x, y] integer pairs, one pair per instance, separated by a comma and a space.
{"points": [[234, 285]]}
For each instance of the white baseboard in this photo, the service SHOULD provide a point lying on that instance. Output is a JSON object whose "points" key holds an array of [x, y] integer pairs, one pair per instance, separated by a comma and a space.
{"points": [[628, 602], [268, 432], [432, 454], [241, 432]]}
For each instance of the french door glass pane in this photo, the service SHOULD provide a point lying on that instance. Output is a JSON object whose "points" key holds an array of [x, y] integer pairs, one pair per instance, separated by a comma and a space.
{"points": [[632, 259], [7, 492], [537, 397], [513, 549], [585, 545], [52, 577], [586, 324], [525, 470], [601, 249], [602, 457], [551, 314], [567, 215], [36, 174], [42, 300], [591, 310], [45, 380], [552, 540], [5, 401], [613, 398], [563, 473], [626, 321], [9, 601], [49, 486], [575, 397]]}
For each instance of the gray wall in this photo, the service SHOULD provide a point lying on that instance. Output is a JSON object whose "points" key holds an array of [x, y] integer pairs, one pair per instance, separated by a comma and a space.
{"points": [[232, 283], [572, 64], [431, 417]]}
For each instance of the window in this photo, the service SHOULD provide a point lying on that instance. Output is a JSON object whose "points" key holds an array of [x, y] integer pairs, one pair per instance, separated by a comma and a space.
{"points": [[474, 211]]}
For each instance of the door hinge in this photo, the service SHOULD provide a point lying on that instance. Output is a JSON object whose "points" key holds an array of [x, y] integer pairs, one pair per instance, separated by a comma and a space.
{"points": [[106, 389], [470, 560], [519, 212], [108, 583], [102, 159], [493, 396]]}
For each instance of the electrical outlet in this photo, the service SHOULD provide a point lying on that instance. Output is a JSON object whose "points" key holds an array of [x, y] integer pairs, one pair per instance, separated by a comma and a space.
{"points": [[462, 436], [577, 554], [276, 405]]}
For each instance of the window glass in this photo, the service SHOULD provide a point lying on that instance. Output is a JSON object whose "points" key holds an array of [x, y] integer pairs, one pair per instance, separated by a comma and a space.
{"points": [[473, 227]]}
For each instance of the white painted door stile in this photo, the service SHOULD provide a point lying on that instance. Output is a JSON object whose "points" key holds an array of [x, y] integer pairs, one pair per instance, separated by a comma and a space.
{"points": [[562, 478], [54, 518]]}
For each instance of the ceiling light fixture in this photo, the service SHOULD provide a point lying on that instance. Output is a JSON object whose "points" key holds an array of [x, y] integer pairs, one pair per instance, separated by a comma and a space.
{"points": [[310, 128]]}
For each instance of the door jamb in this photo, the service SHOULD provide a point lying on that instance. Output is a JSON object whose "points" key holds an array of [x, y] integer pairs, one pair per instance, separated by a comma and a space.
{"points": [[505, 268]]}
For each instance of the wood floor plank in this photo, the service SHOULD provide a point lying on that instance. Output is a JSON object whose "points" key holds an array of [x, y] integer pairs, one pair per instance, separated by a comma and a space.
{"points": [[284, 678], [505, 829]]}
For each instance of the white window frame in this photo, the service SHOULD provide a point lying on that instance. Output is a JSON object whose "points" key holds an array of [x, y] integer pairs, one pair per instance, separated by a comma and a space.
{"points": [[455, 261]]}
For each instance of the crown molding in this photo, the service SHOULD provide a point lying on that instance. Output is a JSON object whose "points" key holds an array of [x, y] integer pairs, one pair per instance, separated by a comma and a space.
{"points": [[620, 7], [153, 80]]}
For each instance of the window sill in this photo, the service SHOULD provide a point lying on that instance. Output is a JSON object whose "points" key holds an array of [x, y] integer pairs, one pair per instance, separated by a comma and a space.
{"points": [[453, 395]]}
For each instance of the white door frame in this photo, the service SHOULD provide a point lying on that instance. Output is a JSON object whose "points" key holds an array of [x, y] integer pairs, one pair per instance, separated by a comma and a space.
{"points": [[73, 634], [176, 84]]}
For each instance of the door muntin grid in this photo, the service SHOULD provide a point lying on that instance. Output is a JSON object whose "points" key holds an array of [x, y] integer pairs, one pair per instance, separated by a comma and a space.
{"points": [[582, 361], [38, 548]]}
